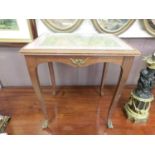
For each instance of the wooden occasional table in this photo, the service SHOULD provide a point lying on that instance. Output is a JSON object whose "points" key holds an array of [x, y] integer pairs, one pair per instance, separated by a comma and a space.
{"points": [[79, 50]]}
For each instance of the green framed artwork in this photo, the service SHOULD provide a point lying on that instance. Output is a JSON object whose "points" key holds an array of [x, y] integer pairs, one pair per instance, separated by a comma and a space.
{"points": [[8, 24], [16, 30], [62, 25], [114, 26]]}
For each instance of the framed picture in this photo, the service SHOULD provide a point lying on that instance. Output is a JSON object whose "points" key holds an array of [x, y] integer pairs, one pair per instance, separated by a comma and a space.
{"points": [[114, 26], [149, 25], [17, 30], [62, 25]]}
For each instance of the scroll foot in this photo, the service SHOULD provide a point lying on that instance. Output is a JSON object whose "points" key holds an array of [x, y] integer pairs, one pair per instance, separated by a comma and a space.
{"points": [[101, 93], [53, 93], [110, 125], [45, 124]]}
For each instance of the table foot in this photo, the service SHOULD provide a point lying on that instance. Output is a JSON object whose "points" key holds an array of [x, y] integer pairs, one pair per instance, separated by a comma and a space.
{"points": [[53, 93], [101, 93], [45, 124], [110, 125]]}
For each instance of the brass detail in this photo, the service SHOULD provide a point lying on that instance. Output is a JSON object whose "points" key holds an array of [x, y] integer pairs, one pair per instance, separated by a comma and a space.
{"points": [[45, 124], [136, 117], [133, 112], [138, 106], [78, 62], [110, 125], [142, 99], [150, 62]]}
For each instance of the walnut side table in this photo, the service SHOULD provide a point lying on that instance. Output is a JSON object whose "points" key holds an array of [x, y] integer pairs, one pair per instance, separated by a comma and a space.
{"points": [[79, 50]]}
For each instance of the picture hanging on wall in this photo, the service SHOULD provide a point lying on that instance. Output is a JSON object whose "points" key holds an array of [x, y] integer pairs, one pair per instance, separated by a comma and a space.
{"points": [[62, 25], [149, 25], [16, 30], [114, 26]]}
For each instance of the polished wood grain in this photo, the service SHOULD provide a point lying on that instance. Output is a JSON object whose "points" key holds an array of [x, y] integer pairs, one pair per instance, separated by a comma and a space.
{"points": [[80, 52], [33, 72], [68, 59], [76, 54], [74, 110], [33, 61], [103, 79], [52, 76], [125, 70]]}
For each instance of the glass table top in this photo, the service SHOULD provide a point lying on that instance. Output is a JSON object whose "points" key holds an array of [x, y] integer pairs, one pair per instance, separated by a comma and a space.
{"points": [[79, 41]]}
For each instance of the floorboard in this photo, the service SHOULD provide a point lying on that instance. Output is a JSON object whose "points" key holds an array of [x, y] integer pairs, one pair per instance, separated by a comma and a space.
{"points": [[73, 111]]}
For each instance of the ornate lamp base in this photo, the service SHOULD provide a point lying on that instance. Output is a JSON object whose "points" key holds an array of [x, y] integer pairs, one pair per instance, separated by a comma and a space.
{"points": [[137, 109]]}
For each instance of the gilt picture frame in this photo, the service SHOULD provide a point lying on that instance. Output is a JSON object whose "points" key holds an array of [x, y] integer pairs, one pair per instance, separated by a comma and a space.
{"points": [[17, 31], [149, 26], [113, 26], [62, 25]]}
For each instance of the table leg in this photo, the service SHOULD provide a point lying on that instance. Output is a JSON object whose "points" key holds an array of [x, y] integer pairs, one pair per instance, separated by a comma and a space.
{"points": [[52, 76], [104, 75], [33, 72], [125, 69]]}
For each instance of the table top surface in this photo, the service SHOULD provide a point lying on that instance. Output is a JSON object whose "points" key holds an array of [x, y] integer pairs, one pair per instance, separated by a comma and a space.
{"points": [[62, 44]]}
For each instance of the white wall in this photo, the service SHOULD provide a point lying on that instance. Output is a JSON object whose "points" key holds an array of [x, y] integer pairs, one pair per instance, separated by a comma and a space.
{"points": [[135, 31], [13, 71]]}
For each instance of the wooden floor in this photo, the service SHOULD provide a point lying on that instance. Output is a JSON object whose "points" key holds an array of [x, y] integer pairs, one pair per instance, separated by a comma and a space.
{"points": [[74, 110]]}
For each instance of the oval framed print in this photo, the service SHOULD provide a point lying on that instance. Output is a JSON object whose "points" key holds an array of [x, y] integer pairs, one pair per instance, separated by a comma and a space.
{"points": [[62, 25], [149, 25], [114, 26]]}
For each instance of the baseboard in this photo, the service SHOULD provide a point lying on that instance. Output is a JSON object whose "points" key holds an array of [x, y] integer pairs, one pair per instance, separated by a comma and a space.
{"points": [[67, 86]]}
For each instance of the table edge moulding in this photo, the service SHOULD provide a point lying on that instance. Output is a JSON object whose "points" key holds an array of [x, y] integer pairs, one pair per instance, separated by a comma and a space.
{"points": [[79, 50]]}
